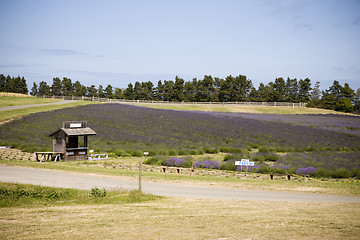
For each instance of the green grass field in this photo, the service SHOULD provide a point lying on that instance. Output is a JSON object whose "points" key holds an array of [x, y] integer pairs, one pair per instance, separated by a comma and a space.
{"points": [[15, 101], [16, 113]]}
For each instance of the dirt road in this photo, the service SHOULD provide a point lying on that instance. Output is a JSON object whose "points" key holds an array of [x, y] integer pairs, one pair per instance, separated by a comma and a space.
{"points": [[34, 105], [57, 178]]}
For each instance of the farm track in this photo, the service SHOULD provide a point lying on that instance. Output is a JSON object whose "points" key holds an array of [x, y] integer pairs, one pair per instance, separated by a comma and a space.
{"points": [[57, 178]]}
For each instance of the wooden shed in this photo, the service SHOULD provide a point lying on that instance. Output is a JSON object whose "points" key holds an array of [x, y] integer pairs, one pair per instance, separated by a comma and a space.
{"points": [[72, 140]]}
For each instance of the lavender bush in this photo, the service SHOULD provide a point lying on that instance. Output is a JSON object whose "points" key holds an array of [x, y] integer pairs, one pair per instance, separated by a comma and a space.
{"points": [[306, 171], [326, 141], [208, 164], [175, 162]]}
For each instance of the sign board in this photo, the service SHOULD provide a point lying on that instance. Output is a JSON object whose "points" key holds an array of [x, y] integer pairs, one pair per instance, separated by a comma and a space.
{"points": [[75, 125], [244, 162]]}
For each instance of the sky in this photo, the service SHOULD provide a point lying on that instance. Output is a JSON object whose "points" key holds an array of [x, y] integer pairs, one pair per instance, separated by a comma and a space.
{"points": [[121, 42]]}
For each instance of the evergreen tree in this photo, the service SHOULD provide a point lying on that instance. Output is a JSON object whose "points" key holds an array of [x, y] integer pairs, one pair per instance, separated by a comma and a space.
{"points": [[56, 87], [66, 87], [254, 95], [264, 92], [91, 91], [315, 96], [291, 90], [129, 92], [190, 91], [316, 93], [34, 90], [119, 93], [2, 83], [357, 101], [347, 92], [159, 91], [44, 89], [78, 89], [304, 90], [109, 91], [278, 90], [101, 93], [179, 90]]}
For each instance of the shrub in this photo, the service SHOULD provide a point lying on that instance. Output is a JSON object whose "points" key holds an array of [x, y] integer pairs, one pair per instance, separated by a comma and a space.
{"points": [[179, 162], [211, 150], [96, 192], [306, 171], [160, 161], [228, 165], [175, 162], [341, 173], [344, 105], [208, 164], [271, 157]]}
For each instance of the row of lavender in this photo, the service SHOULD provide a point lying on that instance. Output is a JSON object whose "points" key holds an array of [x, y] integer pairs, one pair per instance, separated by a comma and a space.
{"points": [[135, 128], [130, 130], [265, 168]]}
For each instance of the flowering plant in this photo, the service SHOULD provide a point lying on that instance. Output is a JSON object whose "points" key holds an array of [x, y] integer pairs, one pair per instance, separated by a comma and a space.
{"points": [[306, 171], [208, 164], [175, 162]]}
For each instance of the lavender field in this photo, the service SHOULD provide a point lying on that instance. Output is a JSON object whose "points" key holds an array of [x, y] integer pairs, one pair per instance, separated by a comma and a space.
{"points": [[131, 130]]}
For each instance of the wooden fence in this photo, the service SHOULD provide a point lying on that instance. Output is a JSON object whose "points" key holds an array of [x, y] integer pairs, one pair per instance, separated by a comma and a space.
{"points": [[109, 100]]}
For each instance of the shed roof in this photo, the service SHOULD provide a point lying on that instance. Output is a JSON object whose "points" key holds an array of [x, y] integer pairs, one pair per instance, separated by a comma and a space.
{"points": [[76, 131]]}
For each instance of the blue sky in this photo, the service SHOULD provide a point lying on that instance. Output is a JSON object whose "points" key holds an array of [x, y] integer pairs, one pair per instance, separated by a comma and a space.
{"points": [[118, 42]]}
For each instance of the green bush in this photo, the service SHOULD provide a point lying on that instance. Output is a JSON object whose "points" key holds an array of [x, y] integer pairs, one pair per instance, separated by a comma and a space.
{"points": [[344, 105], [271, 157], [156, 160], [211, 150], [96, 192], [228, 165]]}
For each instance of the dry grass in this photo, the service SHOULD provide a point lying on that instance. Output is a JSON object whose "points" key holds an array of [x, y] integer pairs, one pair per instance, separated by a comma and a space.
{"points": [[178, 218], [239, 108], [9, 94]]}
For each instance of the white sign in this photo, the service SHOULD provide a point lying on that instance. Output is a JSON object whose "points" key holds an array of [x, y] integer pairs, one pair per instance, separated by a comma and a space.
{"points": [[75, 125], [244, 162]]}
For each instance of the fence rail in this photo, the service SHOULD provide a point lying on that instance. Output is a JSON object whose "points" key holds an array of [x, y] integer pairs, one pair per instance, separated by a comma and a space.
{"points": [[108, 100]]}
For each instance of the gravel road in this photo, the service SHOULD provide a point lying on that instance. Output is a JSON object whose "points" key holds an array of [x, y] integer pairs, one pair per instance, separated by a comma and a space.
{"points": [[58, 178], [34, 105]]}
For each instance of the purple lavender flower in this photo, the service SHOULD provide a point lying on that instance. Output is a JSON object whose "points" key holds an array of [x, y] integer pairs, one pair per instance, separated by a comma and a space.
{"points": [[305, 171], [175, 162], [208, 164]]}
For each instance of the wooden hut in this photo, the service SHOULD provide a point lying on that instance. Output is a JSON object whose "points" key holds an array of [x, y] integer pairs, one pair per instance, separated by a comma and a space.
{"points": [[71, 141]]}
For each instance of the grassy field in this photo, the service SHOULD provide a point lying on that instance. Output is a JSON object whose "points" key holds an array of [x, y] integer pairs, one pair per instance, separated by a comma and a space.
{"points": [[24, 100], [74, 216], [238, 108], [183, 218], [17, 113]]}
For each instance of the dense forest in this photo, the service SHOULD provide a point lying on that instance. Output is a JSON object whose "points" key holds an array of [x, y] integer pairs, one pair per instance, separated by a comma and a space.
{"points": [[208, 89]]}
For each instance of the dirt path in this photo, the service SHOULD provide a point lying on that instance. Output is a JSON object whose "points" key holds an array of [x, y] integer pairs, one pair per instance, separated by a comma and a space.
{"points": [[57, 178], [34, 105]]}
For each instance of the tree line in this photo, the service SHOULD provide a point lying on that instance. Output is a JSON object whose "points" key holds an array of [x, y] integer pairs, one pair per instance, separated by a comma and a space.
{"points": [[13, 84], [209, 89]]}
